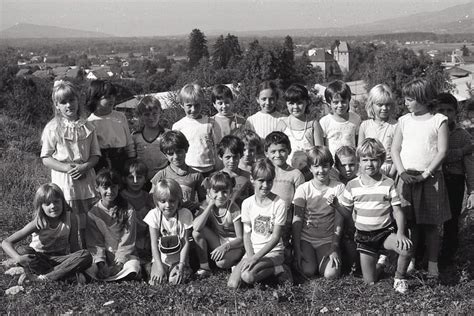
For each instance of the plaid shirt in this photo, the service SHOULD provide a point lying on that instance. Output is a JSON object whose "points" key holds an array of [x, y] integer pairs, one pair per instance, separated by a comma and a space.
{"points": [[456, 163]]}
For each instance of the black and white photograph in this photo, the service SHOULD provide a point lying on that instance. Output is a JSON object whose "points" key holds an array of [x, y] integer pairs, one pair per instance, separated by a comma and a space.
{"points": [[277, 157]]}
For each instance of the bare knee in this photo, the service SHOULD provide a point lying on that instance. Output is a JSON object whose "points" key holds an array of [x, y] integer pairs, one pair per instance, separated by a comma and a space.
{"points": [[224, 264], [198, 234], [248, 277]]}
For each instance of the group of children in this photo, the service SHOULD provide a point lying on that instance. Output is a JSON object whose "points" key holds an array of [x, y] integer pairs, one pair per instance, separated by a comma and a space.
{"points": [[267, 196]]}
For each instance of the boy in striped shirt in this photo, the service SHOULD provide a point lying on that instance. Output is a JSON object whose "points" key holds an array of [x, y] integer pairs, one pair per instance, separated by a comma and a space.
{"points": [[375, 206]]}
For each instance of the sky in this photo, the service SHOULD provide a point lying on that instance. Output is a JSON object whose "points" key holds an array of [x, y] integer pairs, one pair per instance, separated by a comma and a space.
{"points": [[177, 17]]}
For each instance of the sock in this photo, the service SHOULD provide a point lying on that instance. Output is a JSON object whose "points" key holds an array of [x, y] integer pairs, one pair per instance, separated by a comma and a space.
{"points": [[433, 268], [204, 266], [279, 269]]}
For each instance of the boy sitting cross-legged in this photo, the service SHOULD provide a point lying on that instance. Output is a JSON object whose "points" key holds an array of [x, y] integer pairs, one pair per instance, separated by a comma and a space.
{"points": [[379, 220]]}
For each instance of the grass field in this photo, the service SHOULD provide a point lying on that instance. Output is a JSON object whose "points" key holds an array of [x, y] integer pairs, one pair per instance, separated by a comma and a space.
{"points": [[20, 174]]}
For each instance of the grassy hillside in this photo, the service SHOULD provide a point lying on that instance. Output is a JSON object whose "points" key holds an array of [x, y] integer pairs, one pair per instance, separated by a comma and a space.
{"points": [[20, 174]]}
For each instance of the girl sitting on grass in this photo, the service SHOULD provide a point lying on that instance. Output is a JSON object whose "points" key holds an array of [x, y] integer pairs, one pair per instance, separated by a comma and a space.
{"points": [[217, 228], [54, 253], [111, 232], [170, 230]]}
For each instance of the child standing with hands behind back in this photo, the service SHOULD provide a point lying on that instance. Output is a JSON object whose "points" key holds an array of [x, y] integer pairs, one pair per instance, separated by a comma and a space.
{"points": [[418, 150], [341, 126], [113, 133], [198, 129], [71, 150]]}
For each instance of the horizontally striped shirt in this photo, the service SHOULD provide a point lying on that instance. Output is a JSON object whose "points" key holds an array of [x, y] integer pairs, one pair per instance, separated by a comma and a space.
{"points": [[372, 204], [264, 123]]}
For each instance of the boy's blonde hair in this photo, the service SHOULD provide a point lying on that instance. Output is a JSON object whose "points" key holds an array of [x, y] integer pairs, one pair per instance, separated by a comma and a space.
{"points": [[373, 148], [165, 189], [319, 155], [147, 104], [191, 92], [381, 94]]}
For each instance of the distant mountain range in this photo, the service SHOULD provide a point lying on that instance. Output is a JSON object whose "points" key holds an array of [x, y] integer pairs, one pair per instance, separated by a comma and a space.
{"points": [[456, 19], [26, 30]]}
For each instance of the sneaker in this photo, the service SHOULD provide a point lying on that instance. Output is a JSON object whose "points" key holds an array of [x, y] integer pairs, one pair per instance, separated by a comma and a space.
{"points": [[400, 286], [203, 273]]}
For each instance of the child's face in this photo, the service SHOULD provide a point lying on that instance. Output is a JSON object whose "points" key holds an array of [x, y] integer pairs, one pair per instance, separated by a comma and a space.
{"points": [[262, 187], [53, 208], [297, 109], [106, 104], [230, 160], [448, 110], [382, 110], [135, 182], [224, 107], [108, 194], [267, 100], [250, 154], [370, 165], [348, 167], [168, 206], [176, 158], [413, 106], [339, 106], [68, 107], [321, 172], [192, 109], [220, 197], [278, 154], [151, 118]]}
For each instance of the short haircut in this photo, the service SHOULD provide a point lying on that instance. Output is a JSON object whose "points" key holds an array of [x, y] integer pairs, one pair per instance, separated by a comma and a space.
{"points": [[344, 151], [166, 189], [372, 148], [108, 178], [97, 90], [277, 138], [147, 104], [221, 92], [320, 155], [172, 141], [250, 138], [221, 181], [421, 90], [191, 92], [268, 85], [447, 98], [135, 165], [380, 94], [263, 169], [337, 88], [231, 142]]}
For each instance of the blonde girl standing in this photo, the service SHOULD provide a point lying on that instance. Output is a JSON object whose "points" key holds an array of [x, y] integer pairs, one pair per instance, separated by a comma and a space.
{"points": [[304, 133], [419, 147], [54, 252], [71, 150], [380, 125]]}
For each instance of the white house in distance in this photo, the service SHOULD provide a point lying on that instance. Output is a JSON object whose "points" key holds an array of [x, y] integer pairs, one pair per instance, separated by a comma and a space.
{"points": [[333, 62]]}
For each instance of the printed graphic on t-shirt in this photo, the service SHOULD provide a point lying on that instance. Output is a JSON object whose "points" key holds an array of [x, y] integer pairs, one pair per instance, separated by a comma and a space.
{"points": [[263, 225]]}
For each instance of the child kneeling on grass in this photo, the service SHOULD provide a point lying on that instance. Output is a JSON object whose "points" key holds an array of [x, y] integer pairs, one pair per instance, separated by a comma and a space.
{"points": [[170, 230], [377, 214], [54, 253], [263, 216]]}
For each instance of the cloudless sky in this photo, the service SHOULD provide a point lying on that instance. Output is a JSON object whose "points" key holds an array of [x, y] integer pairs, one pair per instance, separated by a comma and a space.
{"points": [[165, 17]]}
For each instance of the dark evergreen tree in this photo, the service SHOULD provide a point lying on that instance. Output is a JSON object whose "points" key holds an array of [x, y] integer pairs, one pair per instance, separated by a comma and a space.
{"points": [[197, 48]]}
